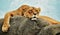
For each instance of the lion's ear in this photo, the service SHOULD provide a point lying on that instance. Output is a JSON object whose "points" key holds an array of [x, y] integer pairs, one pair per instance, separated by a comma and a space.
{"points": [[38, 9]]}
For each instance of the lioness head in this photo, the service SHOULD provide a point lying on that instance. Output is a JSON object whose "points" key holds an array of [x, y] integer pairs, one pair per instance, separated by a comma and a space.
{"points": [[32, 12]]}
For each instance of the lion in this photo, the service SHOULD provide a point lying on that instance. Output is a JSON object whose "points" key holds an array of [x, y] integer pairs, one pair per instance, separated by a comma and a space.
{"points": [[20, 12], [26, 11]]}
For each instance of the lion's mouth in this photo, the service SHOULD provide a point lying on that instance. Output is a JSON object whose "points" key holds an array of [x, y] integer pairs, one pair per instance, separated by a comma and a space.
{"points": [[34, 17]]}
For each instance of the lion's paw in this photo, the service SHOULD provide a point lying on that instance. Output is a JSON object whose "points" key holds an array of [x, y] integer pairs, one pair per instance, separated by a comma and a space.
{"points": [[5, 28]]}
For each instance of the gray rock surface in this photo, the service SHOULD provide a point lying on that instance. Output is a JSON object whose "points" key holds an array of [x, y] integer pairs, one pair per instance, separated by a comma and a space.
{"points": [[50, 30], [24, 26]]}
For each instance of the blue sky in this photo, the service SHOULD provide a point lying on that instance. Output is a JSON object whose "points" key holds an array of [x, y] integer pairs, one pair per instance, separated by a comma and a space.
{"points": [[49, 8]]}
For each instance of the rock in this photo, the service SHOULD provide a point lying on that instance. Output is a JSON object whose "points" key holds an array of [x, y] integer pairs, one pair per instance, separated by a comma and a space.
{"points": [[51, 30], [24, 26]]}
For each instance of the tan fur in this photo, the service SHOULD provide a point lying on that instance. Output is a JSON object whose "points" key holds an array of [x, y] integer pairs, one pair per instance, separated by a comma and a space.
{"points": [[31, 11], [20, 11], [52, 21]]}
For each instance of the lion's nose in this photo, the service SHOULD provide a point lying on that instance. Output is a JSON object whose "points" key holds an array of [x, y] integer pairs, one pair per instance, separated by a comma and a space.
{"points": [[34, 14], [34, 17]]}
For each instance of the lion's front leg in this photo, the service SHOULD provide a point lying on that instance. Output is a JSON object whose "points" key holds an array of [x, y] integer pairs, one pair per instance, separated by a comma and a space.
{"points": [[5, 27], [6, 24]]}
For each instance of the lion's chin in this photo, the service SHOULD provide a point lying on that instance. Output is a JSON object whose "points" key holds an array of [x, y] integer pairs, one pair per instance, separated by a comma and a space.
{"points": [[33, 18]]}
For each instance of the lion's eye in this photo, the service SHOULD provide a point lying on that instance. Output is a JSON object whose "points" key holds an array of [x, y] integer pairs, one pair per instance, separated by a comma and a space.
{"points": [[36, 10], [30, 11]]}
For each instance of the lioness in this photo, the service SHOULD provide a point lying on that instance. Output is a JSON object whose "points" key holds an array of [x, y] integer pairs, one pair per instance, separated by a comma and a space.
{"points": [[26, 11]]}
